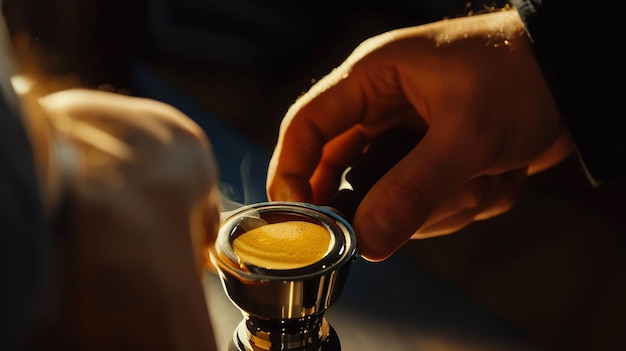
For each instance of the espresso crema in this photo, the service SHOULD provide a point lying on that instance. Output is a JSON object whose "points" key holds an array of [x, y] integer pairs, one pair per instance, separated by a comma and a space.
{"points": [[284, 245]]}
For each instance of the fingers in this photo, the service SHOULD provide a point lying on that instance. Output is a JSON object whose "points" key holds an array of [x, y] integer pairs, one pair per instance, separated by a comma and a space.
{"points": [[481, 198], [112, 112], [435, 182], [402, 200], [140, 143], [403, 211], [338, 154], [333, 106], [131, 219]]}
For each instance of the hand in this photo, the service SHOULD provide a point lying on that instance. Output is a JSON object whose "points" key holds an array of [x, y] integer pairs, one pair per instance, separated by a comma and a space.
{"points": [[471, 84], [143, 212]]}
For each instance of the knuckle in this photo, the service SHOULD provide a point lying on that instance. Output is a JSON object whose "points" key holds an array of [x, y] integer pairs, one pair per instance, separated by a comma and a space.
{"points": [[506, 202]]}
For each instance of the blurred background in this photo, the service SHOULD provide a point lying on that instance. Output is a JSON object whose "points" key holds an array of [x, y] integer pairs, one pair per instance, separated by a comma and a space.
{"points": [[553, 268], [243, 60]]}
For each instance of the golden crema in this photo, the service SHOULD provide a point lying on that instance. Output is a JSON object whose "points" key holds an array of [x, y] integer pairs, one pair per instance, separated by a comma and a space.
{"points": [[285, 245]]}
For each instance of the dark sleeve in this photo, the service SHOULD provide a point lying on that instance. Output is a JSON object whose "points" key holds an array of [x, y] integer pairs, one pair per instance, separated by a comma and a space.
{"points": [[579, 47], [22, 224]]}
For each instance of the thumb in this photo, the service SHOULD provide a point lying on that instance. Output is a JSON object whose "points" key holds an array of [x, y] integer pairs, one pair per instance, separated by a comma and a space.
{"points": [[401, 201]]}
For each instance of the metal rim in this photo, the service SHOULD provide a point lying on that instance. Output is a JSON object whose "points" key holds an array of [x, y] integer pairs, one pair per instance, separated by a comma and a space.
{"points": [[342, 250]]}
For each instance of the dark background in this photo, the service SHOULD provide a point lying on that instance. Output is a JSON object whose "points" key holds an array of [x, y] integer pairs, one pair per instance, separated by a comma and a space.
{"points": [[243, 60], [554, 266]]}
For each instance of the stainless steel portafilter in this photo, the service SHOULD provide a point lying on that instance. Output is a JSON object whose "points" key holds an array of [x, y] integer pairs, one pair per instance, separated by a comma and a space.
{"points": [[284, 309]]}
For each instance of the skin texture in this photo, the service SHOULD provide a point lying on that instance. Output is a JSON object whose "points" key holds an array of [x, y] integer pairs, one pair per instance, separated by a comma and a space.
{"points": [[140, 181], [470, 84]]}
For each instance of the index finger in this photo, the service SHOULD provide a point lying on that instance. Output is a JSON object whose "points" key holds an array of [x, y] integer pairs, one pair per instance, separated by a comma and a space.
{"points": [[331, 107]]}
